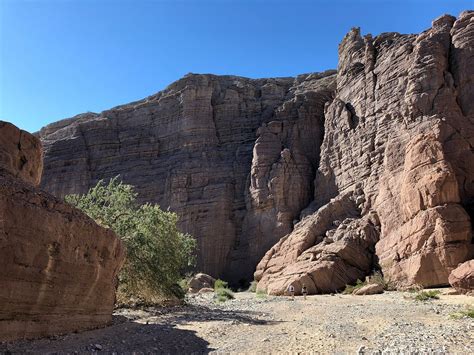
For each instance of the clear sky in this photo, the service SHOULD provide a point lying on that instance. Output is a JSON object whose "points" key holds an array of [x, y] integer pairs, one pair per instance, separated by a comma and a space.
{"points": [[59, 58]]}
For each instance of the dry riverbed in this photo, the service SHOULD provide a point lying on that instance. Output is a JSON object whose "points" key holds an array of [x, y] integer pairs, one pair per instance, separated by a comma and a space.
{"points": [[389, 323]]}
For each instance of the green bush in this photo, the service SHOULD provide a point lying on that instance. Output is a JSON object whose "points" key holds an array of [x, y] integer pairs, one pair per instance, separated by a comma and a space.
{"points": [[223, 294], [427, 295], [157, 253], [220, 284], [351, 288], [261, 294]]}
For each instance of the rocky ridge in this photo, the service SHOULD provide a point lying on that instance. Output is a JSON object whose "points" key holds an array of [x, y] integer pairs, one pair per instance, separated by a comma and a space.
{"points": [[332, 176], [58, 267]]}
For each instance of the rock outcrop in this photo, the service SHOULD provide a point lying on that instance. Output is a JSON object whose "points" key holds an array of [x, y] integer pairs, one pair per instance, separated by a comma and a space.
{"points": [[462, 277], [201, 281], [58, 267], [398, 155], [325, 176], [191, 148]]}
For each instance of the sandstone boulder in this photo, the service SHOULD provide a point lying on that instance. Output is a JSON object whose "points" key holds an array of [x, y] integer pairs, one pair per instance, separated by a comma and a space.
{"points": [[59, 267], [201, 281], [462, 277], [370, 289]]}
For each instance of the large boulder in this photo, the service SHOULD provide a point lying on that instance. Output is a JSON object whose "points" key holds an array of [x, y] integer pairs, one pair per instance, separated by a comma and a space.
{"points": [[59, 268], [462, 277], [201, 281], [370, 289]]}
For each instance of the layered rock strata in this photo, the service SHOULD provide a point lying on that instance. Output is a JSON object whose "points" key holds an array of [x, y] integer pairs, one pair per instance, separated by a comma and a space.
{"points": [[192, 148], [58, 267], [399, 138], [332, 176]]}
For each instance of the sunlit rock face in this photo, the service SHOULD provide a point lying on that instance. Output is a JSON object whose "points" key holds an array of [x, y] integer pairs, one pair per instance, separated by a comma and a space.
{"points": [[58, 266], [234, 157], [396, 171], [318, 179]]}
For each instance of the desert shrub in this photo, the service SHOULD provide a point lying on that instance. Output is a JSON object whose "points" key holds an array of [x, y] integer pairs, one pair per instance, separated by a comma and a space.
{"points": [[465, 313], [157, 253], [223, 294], [379, 279], [253, 286], [261, 294], [351, 288], [427, 295], [220, 284]]}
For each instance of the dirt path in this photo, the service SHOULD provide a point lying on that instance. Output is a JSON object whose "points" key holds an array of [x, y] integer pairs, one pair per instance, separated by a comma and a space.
{"points": [[249, 324]]}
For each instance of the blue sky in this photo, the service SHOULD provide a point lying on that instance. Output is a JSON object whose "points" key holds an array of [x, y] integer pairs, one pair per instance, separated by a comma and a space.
{"points": [[59, 58]]}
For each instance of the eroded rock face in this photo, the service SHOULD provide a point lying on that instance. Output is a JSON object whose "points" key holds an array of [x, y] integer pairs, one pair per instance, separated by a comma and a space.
{"points": [[58, 267], [331, 177], [192, 148], [462, 277], [399, 134]]}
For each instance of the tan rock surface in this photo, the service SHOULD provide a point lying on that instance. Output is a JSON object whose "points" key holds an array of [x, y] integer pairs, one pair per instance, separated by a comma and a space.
{"points": [[58, 267], [462, 277], [201, 281], [375, 162], [20, 154], [399, 134], [371, 289], [192, 147]]}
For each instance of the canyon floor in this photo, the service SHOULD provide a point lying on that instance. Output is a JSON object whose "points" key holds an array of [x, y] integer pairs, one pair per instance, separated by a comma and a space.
{"points": [[389, 323]]}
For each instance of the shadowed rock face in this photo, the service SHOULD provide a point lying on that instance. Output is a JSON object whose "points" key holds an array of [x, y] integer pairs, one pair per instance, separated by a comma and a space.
{"points": [[58, 267], [397, 166], [332, 176], [234, 157]]}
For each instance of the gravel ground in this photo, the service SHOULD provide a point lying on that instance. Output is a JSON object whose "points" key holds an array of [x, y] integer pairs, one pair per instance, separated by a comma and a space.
{"points": [[388, 323]]}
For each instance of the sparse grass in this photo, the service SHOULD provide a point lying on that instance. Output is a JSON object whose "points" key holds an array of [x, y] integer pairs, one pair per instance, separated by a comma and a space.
{"points": [[427, 295], [466, 313], [351, 288], [378, 278], [223, 294], [253, 286], [220, 284]]}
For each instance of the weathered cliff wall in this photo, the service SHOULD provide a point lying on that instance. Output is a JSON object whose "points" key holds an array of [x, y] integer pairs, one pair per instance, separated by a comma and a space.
{"points": [[58, 267], [395, 185], [372, 167], [191, 148]]}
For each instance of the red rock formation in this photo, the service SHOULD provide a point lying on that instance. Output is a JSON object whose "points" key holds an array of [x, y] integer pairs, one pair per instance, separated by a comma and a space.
{"points": [[372, 168], [399, 139], [58, 267], [192, 147], [462, 278]]}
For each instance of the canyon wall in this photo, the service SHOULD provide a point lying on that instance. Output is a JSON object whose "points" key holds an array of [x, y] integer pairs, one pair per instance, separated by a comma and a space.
{"points": [[234, 157], [58, 267], [327, 177], [395, 186]]}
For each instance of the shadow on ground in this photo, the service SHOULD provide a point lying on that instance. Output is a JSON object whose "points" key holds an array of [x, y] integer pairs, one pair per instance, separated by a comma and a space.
{"points": [[133, 335]]}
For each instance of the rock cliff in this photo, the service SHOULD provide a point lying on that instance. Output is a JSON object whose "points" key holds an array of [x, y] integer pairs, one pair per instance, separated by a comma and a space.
{"points": [[58, 267], [326, 176], [234, 157], [395, 186]]}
